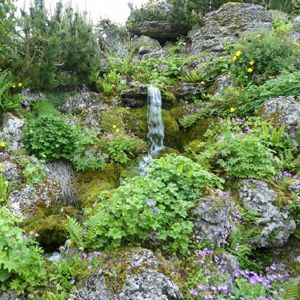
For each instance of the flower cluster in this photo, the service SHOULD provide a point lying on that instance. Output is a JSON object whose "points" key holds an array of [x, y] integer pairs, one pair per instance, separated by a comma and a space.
{"points": [[151, 203], [115, 128], [17, 85]]}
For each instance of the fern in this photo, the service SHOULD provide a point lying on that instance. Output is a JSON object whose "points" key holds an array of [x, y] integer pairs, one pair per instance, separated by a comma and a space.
{"points": [[292, 290], [75, 231]]}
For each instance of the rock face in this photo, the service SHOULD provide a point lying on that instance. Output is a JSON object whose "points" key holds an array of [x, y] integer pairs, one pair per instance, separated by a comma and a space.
{"points": [[87, 105], [162, 31], [227, 24], [25, 201], [214, 218], [11, 132], [284, 110], [221, 84], [10, 296], [140, 280], [258, 198]]}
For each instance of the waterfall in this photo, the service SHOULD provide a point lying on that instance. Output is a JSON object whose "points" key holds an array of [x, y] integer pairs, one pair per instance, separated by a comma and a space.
{"points": [[156, 128]]}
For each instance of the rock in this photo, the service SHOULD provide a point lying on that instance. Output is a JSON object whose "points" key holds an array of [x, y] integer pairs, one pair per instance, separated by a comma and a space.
{"points": [[140, 277], [230, 263], [9, 295], [11, 131], [214, 218], [259, 199], [295, 186], [296, 23], [222, 83], [135, 96], [28, 98], [147, 47], [26, 201], [87, 105], [185, 90], [227, 24], [62, 172], [12, 172], [162, 31], [284, 110]]}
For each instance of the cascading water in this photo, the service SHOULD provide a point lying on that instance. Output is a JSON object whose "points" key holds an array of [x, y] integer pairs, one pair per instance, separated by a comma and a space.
{"points": [[156, 128]]}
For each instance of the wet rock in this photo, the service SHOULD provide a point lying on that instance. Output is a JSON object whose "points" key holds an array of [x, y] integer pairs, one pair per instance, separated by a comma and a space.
{"points": [[258, 198], [26, 201], [85, 104], [135, 96], [162, 31], [11, 131], [141, 278], [214, 218], [284, 110], [227, 24]]}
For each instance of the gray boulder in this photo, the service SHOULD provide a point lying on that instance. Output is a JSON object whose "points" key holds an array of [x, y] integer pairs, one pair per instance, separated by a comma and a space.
{"points": [[284, 110], [227, 24], [141, 278], [214, 218], [295, 186], [85, 104], [29, 98], [9, 295], [162, 31], [26, 201], [222, 83], [11, 131], [258, 198]]}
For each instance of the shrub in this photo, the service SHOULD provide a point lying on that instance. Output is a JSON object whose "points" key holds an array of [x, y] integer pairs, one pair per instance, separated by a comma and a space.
{"points": [[241, 148], [50, 137], [21, 262], [154, 206], [58, 50], [260, 56]]}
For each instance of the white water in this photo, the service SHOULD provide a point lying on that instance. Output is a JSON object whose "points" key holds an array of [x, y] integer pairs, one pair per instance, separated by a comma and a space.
{"points": [[156, 129]]}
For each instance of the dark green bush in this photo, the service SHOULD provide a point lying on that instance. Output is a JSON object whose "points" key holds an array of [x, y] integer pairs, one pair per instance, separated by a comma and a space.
{"points": [[58, 50]]}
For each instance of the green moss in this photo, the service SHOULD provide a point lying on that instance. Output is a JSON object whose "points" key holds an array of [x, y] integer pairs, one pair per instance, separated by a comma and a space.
{"points": [[89, 184], [196, 132], [114, 115], [49, 224]]}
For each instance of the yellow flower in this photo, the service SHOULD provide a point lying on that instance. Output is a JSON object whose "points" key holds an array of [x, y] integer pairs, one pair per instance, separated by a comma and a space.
{"points": [[20, 84], [117, 130], [252, 62], [3, 144], [232, 109], [114, 126], [238, 53], [234, 58], [13, 85], [249, 70], [202, 82]]}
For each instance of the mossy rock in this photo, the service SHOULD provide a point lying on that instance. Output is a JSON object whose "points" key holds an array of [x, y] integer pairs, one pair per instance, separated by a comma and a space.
{"points": [[113, 116], [89, 184], [196, 132], [137, 124], [49, 224]]}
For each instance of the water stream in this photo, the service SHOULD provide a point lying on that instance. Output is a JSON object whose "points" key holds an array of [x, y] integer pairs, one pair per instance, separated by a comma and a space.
{"points": [[156, 130]]}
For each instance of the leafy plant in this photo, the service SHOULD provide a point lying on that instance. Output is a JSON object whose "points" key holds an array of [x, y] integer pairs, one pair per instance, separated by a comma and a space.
{"points": [[156, 205], [50, 137], [8, 100], [21, 262], [4, 185], [260, 56]]}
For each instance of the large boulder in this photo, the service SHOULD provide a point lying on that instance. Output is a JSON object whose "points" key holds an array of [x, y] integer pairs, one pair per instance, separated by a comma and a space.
{"points": [[258, 198], [29, 198], [227, 24], [214, 218], [284, 110], [86, 105], [11, 131], [139, 275], [162, 31]]}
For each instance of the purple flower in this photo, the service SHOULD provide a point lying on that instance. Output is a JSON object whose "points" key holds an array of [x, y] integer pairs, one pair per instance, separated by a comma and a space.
{"points": [[24, 236], [155, 210], [202, 287], [194, 292], [96, 253], [208, 296], [150, 202]]}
